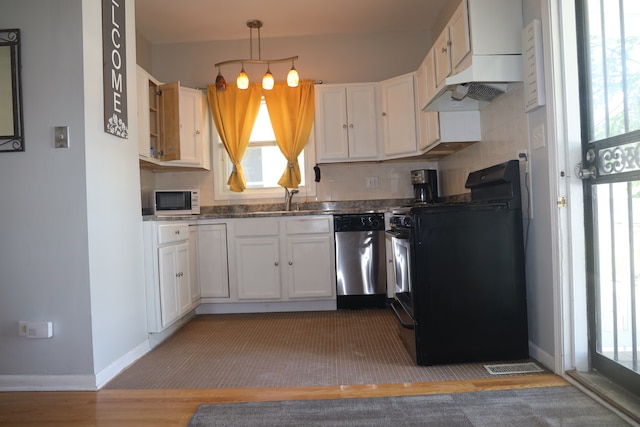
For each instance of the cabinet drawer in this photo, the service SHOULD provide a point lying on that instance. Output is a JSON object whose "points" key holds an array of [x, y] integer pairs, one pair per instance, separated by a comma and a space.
{"points": [[168, 233], [308, 225], [257, 227]]}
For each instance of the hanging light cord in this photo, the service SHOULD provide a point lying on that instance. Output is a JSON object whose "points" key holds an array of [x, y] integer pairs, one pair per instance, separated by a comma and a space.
{"points": [[254, 23]]}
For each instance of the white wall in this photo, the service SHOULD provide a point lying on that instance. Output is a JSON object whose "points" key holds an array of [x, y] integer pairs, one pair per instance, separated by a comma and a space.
{"points": [[333, 59], [118, 313], [71, 246]]}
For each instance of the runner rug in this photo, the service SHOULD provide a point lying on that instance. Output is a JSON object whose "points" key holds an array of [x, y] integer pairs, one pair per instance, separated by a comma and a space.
{"points": [[547, 406]]}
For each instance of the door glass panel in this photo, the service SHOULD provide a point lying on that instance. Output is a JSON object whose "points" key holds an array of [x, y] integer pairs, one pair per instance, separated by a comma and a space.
{"points": [[609, 44], [614, 47], [617, 214]]}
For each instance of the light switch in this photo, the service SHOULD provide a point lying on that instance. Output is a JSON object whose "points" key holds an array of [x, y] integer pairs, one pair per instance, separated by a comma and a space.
{"points": [[62, 136]]}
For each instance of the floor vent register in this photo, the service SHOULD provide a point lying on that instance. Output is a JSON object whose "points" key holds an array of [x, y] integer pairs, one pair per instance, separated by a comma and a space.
{"points": [[513, 368]]}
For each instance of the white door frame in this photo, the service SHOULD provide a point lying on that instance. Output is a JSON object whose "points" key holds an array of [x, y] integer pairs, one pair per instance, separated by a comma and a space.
{"points": [[563, 127]]}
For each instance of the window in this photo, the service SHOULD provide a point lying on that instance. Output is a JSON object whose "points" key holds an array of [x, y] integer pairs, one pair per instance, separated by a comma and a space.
{"points": [[263, 164]]}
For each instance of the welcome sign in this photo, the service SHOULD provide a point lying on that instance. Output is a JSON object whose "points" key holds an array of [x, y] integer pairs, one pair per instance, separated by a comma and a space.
{"points": [[114, 51]]}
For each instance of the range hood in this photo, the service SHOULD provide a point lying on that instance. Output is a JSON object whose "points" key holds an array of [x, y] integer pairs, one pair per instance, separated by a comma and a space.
{"points": [[486, 77]]}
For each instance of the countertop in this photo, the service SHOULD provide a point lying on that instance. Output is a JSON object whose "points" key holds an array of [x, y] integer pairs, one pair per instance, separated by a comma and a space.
{"points": [[277, 209]]}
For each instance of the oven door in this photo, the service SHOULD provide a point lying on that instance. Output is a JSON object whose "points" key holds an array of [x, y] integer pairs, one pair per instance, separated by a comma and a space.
{"points": [[401, 247]]}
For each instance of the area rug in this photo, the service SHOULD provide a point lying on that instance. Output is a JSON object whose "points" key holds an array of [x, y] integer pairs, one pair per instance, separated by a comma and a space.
{"points": [[547, 406]]}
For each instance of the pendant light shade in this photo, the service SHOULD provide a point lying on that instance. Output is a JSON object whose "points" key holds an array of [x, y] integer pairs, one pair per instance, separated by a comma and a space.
{"points": [[293, 78], [221, 83], [267, 80], [243, 79]]}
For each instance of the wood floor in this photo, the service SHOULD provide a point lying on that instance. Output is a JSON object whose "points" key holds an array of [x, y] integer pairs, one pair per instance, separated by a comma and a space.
{"points": [[142, 408]]}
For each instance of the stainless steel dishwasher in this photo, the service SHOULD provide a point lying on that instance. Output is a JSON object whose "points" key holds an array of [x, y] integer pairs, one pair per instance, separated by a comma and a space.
{"points": [[360, 260]]}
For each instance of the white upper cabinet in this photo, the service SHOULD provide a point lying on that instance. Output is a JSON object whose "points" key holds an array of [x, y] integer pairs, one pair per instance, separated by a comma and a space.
{"points": [[452, 46], [481, 43], [442, 58], [174, 126], [399, 116], [460, 42], [346, 123]]}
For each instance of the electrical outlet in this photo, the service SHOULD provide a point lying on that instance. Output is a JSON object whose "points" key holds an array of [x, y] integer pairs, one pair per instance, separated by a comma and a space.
{"points": [[22, 328], [523, 156], [372, 182]]}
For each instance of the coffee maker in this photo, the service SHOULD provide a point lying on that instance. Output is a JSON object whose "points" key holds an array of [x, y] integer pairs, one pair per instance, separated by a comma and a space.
{"points": [[425, 185]]}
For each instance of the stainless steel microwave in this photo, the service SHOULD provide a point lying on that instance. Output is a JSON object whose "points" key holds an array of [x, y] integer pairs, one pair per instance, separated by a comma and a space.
{"points": [[176, 202]]}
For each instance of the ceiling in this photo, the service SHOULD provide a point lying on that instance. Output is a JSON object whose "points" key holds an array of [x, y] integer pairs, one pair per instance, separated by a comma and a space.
{"points": [[171, 21]]}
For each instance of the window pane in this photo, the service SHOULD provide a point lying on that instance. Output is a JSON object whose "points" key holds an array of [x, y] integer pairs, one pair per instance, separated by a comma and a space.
{"points": [[262, 129], [264, 165]]}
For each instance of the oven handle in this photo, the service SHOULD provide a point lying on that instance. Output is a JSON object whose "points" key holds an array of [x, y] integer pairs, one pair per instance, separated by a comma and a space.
{"points": [[398, 233], [395, 310]]}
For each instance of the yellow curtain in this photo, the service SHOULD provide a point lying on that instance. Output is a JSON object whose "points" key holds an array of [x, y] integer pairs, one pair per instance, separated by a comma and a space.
{"points": [[291, 111], [234, 113]]}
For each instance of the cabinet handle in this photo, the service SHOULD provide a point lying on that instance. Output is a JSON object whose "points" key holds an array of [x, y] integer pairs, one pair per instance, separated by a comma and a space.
{"points": [[344, 126], [444, 50], [290, 262], [384, 114], [197, 132], [276, 263], [351, 126], [180, 274], [177, 232]]}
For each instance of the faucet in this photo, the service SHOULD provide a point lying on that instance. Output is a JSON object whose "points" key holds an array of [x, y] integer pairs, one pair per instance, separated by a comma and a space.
{"points": [[288, 195]]}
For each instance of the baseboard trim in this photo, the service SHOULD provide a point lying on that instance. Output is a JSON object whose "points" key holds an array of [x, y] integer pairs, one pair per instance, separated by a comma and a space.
{"points": [[543, 357], [266, 307], [47, 383], [111, 371]]}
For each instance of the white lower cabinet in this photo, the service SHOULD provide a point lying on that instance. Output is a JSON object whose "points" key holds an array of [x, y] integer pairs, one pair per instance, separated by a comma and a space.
{"points": [[284, 259], [308, 269], [168, 268], [258, 268], [213, 269]]}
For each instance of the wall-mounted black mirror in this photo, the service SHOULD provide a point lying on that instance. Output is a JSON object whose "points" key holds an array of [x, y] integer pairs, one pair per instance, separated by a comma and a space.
{"points": [[11, 125]]}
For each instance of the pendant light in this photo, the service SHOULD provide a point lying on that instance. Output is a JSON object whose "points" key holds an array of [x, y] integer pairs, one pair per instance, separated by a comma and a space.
{"points": [[243, 79], [267, 80], [221, 83], [293, 78]]}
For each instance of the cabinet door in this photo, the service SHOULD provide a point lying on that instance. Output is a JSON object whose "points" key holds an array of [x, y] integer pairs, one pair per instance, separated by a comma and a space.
{"points": [[399, 116], [459, 35], [190, 126], [310, 268], [183, 285], [421, 86], [331, 124], [258, 268], [433, 135], [430, 77], [194, 275], [362, 129], [169, 122], [168, 266], [142, 83], [212, 261], [441, 58]]}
